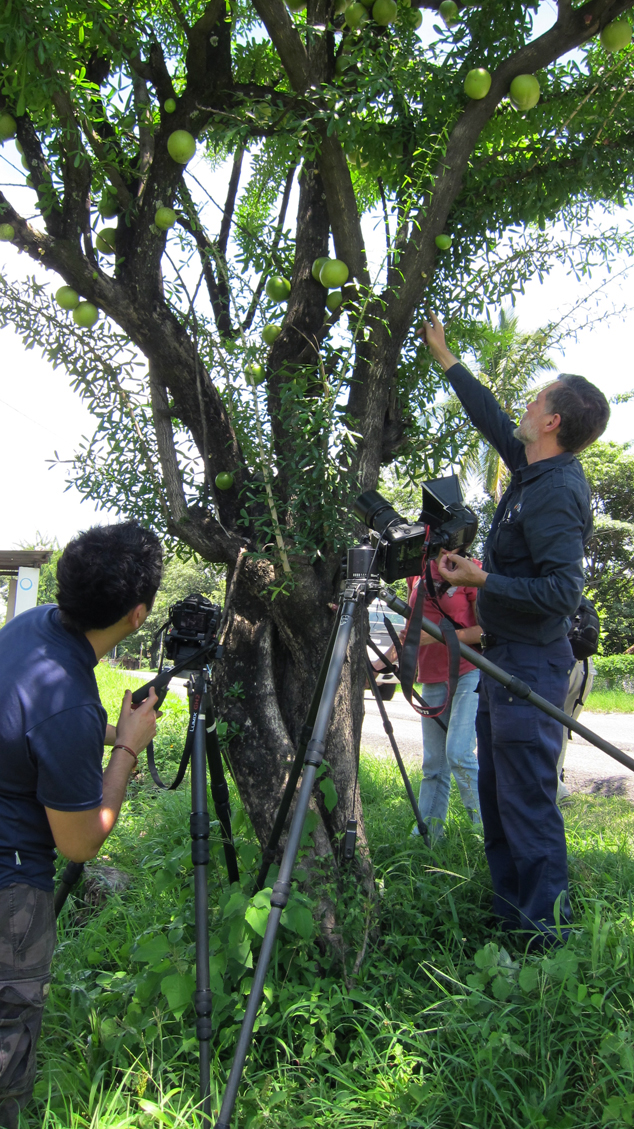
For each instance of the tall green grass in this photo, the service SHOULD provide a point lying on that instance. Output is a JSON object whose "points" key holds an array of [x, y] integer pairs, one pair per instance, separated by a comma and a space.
{"points": [[445, 1024]]}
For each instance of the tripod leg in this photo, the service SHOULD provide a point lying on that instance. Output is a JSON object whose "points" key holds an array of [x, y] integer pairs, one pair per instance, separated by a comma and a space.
{"points": [[281, 889], [72, 873], [268, 854], [220, 789], [387, 725], [199, 827]]}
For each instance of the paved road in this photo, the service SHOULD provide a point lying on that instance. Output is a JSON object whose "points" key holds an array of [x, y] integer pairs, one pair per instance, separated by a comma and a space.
{"points": [[587, 768]]}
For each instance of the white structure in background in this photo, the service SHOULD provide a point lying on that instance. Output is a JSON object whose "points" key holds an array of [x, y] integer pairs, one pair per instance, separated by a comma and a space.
{"points": [[22, 566]]}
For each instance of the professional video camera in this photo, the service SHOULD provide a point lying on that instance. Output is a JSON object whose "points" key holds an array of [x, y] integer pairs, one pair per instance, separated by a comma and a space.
{"points": [[192, 623], [444, 523]]}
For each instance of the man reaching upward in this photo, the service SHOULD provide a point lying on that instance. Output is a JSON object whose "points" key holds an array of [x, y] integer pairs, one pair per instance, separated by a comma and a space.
{"points": [[530, 584]]}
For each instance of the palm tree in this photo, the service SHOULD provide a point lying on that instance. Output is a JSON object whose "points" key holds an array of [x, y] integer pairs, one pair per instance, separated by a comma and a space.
{"points": [[509, 363]]}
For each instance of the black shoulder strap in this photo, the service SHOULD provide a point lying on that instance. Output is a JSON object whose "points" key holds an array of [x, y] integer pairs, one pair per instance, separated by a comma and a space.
{"points": [[408, 664]]}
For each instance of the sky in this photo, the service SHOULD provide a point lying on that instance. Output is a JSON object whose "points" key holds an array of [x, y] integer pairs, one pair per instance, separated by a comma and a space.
{"points": [[41, 415]]}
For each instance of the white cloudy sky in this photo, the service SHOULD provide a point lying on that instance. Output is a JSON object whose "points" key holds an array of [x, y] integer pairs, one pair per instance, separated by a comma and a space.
{"points": [[41, 415]]}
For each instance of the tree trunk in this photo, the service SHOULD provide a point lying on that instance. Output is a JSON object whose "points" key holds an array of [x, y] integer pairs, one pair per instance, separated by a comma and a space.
{"points": [[265, 683]]}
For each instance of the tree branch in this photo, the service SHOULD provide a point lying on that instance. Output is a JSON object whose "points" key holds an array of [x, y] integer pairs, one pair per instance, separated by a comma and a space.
{"points": [[230, 203], [277, 235], [286, 40], [144, 117], [165, 442]]}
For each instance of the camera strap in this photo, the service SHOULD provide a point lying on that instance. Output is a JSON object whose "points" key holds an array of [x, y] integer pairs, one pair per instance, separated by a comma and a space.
{"points": [[182, 768], [408, 664]]}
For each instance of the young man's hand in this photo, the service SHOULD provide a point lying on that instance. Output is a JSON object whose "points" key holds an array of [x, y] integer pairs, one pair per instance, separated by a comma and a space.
{"points": [[136, 726], [461, 572]]}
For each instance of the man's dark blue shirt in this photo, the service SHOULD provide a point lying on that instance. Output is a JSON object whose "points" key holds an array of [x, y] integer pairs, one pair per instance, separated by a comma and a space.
{"points": [[535, 548], [52, 729]]}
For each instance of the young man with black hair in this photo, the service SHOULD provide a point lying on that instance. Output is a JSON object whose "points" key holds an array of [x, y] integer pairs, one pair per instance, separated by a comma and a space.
{"points": [[53, 791], [530, 585]]}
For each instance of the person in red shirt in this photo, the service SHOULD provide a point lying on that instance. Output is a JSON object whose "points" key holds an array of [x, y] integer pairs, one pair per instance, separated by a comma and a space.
{"points": [[453, 750]]}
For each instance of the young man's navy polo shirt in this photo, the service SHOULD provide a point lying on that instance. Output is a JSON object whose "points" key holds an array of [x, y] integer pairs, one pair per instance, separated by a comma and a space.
{"points": [[52, 730]]}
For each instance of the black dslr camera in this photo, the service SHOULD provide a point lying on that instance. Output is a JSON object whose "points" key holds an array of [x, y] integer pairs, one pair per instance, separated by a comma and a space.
{"points": [[444, 518], [192, 622]]}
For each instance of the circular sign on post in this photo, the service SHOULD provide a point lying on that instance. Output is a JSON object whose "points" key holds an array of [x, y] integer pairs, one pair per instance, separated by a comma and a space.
{"points": [[26, 583]]}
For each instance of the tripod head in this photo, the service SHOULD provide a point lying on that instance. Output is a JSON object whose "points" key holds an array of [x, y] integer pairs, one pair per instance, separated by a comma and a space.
{"points": [[362, 580]]}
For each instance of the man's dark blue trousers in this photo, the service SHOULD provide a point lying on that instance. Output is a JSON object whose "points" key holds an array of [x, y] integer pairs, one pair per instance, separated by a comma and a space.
{"points": [[518, 747]]}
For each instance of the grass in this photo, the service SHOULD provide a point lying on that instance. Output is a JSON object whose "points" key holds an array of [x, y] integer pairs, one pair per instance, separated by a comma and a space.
{"points": [[445, 1025]]}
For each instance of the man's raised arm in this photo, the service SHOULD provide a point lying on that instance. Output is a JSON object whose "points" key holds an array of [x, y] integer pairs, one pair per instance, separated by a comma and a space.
{"points": [[479, 403]]}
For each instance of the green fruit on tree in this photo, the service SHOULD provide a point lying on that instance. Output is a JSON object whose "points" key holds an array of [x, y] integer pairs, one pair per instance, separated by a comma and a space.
{"points": [[317, 265], [443, 242], [333, 274], [413, 18], [7, 232], [355, 15], [384, 12], [105, 240], [256, 373], [617, 35], [296, 5], [449, 12], [477, 83], [24, 162], [277, 288], [181, 146], [367, 4], [224, 480], [342, 64], [525, 91], [19, 147], [108, 205], [85, 315], [165, 218], [7, 127], [169, 105], [67, 298], [334, 300], [270, 333]]}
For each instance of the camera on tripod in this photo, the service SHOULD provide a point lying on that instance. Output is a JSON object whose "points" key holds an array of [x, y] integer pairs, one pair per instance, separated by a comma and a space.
{"points": [[192, 623], [444, 523]]}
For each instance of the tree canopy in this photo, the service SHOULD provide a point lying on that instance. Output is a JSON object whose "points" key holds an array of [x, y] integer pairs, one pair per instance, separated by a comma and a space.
{"points": [[241, 403]]}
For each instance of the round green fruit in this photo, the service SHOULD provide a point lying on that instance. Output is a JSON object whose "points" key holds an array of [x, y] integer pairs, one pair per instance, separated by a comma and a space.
{"points": [[165, 218], [19, 147], [255, 373], [169, 105], [413, 18], [449, 12], [443, 242], [296, 5], [355, 15], [277, 288], [7, 127], [85, 315], [224, 480], [29, 181], [270, 333], [108, 205], [24, 162], [384, 12], [105, 240], [334, 300], [181, 146], [333, 274], [617, 35], [477, 83], [342, 64], [7, 232], [67, 298], [317, 265], [525, 91]]}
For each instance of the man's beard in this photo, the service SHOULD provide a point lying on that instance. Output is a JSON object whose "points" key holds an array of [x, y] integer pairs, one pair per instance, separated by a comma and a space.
{"points": [[525, 433]]}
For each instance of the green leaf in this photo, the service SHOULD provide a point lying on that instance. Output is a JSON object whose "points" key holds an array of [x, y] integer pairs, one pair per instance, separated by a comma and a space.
{"points": [[330, 793], [178, 988], [299, 920], [528, 978], [153, 951], [257, 919]]}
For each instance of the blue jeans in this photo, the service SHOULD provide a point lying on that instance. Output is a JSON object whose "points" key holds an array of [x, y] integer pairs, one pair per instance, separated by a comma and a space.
{"points": [[518, 748], [453, 751]]}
